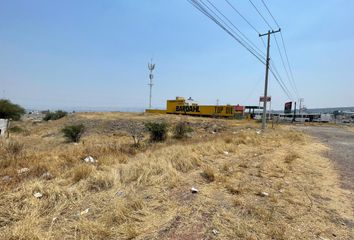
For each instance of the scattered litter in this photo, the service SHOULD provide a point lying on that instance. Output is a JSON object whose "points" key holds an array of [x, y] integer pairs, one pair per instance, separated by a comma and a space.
{"points": [[23, 170], [226, 152], [216, 232], [194, 190], [120, 194], [38, 195], [47, 176], [264, 194], [213, 132], [85, 211], [6, 178], [90, 159], [259, 132]]}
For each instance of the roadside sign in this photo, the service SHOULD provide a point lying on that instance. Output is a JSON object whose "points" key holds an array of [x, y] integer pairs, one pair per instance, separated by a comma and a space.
{"points": [[261, 99], [288, 107]]}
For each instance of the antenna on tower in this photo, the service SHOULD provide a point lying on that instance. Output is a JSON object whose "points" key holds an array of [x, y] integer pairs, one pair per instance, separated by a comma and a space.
{"points": [[151, 67]]}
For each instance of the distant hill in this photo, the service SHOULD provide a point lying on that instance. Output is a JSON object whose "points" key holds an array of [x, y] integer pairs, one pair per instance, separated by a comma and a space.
{"points": [[330, 110]]}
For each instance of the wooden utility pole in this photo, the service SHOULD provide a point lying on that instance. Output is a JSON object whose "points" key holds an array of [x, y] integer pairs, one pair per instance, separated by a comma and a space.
{"points": [[264, 118]]}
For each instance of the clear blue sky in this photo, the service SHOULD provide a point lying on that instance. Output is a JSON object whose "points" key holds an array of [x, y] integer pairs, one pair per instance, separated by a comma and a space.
{"points": [[87, 53]]}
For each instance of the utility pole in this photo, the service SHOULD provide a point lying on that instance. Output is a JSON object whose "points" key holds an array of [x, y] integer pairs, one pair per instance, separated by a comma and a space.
{"points": [[294, 119], [264, 118], [151, 67], [301, 100]]}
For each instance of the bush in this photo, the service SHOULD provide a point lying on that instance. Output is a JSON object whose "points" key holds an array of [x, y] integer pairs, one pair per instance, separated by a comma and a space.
{"points": [[73, 132], [16, 129], [181, 130], [9, 110], [158, 131], [55, 115]]}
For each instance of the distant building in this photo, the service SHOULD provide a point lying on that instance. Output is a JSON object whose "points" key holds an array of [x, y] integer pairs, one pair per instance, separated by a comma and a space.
{"points": [[3, 127]]}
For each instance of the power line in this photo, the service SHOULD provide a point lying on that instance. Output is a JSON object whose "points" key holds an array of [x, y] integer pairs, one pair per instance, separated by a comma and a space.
{"points": [[255, 47], [203, 8], [234, 8], [285, 51], [291, 80], [260, 14]]}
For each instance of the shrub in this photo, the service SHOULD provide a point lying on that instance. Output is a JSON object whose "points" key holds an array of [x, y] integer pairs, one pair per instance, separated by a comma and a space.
{"points": [[209, 174], [158, 131], [73, 132], [55, 115], [16, 129], [9, 110], [181, 130]]}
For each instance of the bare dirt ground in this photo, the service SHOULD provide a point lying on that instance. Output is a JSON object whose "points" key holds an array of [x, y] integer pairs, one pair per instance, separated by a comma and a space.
{"points": [[341, 143], [341, 151]]}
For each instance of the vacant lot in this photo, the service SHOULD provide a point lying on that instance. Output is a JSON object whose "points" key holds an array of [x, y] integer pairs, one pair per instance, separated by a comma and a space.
{"points": [[252, 185]]}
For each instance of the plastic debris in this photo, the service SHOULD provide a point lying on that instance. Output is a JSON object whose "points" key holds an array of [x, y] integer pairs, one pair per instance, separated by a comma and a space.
{"points": [[23, 170], [47, 176], [226, 152], [85, 211], [90, 159], [194, 190], [215, 232], [264, 194], [38, 195]]}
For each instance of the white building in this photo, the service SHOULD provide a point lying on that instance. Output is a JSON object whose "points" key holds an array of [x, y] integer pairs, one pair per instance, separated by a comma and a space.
{"points": [[3, 126]]}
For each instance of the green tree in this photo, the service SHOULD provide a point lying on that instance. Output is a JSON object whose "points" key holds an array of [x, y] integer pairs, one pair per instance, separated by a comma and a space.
{"points": [[9, 110]]}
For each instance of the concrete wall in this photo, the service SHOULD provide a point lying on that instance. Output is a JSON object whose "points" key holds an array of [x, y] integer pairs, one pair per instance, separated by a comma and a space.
{"points": [[3, 127]]}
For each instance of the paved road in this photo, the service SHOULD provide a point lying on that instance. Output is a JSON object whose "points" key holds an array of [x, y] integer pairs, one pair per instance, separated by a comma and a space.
{"points": [[341, 142]]}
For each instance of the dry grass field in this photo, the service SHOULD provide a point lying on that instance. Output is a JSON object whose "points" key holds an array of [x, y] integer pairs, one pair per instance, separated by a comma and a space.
{"points": [[252, 185]]}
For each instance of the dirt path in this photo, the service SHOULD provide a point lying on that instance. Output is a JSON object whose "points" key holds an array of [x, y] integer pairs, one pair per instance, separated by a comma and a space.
{"points": [[341, 142]]}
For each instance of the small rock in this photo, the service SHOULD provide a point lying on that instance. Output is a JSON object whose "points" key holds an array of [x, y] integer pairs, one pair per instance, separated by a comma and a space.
{"points": [[194, 190], [23, 171], [226, 152], [264, 194], [215, 232], [85, 211], [213, 132], [38, 195], [90, 159]]}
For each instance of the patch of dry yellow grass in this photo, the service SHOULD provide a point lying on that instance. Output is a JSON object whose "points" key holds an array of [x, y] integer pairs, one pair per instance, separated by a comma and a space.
{"points": [[274, 185]]}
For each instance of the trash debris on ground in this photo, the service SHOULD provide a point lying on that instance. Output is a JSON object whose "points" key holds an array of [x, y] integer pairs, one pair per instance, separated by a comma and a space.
{"points": [[263, 194], [215, 232], [23, 171], [120, 194], [38, 195], [194, 190], [259, 131], [47, 176], [85, 211], [90, 159], [6, 178], [226, 152]]}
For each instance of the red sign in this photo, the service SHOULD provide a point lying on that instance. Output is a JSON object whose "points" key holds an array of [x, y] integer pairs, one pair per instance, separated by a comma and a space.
{"points": [[261, 99]]}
